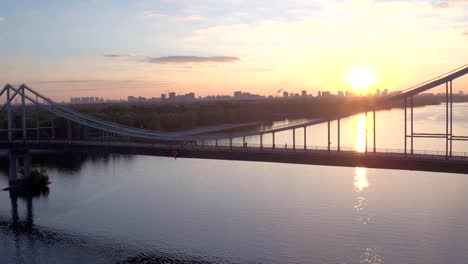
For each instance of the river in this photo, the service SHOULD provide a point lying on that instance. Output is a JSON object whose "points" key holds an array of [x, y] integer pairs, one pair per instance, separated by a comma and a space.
{"points": [[141, 209]]}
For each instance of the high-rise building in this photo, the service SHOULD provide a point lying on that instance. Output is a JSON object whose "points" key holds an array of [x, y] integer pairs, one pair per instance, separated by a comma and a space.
{"points": [[304, 93], [171, 95]]}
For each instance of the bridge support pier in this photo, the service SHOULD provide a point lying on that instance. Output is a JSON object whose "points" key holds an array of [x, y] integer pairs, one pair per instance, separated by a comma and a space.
{"points": [[329, 141], [23, 113], [37, 119], [451, 119], [261, 141], [406, 123], [305, 138], [447, 120], [69, 131], [273, 136], [366, 133], [294, 139], [10, 117], [339, 140], [411, 125], [374, 131], [53, 129], [12, 170], [18, 158]]}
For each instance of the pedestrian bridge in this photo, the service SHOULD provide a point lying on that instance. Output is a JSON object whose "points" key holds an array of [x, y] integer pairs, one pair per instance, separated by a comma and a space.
{"points": [[19, 138], [384, 159]]}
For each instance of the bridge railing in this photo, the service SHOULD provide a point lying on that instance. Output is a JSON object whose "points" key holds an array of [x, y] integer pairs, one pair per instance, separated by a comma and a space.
{"points": [[255, 148], [436, 154]]}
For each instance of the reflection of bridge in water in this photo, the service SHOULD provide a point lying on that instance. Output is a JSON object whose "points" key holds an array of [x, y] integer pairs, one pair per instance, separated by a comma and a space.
{"points": [[26, 133], [23, 241]]}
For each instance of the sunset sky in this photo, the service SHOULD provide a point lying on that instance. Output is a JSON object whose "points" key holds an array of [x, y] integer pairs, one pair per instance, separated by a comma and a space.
{"points": [[116, 48]]}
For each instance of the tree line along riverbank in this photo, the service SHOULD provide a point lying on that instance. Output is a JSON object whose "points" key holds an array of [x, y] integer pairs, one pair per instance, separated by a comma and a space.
{"points": [[176, 116]]}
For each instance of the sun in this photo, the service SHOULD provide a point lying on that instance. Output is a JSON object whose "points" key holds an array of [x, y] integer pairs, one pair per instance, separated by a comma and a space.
{"points": [[361, 78]]}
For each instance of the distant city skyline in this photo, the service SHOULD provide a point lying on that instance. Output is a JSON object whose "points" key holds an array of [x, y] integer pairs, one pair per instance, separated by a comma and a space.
{"points": [[238, 95], [78, 48]]}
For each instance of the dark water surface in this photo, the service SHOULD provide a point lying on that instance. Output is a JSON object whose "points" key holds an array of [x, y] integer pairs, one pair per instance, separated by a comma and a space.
{"points": [[138, 209]]}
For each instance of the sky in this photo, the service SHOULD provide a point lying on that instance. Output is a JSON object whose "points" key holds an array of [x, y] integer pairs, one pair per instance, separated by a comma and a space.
{"points": [[117, 48]]}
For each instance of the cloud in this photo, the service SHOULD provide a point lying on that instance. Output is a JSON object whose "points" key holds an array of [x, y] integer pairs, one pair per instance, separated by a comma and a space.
{"points": [[204, 33], [175, 59], [177, 18], [465, 33], [152, 14], [110, 55], [447, 3], [2, 19], [122, 56], [192, 59], [90, 85], [257, 69], [64, 81], [190, 18]]}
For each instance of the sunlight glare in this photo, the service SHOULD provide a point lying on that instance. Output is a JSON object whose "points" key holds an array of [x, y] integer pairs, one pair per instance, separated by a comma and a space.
{"points": [[361, 78]]}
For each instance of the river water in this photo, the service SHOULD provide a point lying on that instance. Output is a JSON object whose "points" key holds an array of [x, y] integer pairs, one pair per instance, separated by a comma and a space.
{"points": [[139, 209]]}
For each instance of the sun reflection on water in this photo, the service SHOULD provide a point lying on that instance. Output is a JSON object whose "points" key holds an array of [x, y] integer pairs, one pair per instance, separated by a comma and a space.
{"points": [[361, 183], [360, 179], [371, 256]]}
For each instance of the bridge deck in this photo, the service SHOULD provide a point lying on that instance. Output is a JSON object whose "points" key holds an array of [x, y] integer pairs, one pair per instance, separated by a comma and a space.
{"points": [[387, 160]]}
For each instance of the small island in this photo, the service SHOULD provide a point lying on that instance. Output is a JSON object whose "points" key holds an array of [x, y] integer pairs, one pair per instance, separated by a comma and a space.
{"points": [[37, 182]]}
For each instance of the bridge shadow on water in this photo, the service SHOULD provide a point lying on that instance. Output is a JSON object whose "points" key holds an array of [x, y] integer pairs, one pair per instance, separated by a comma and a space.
{"points": [[23, 241], [67, 162]]}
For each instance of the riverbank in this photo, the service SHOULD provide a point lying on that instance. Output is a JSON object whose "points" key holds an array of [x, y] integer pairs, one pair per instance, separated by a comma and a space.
{"points": [[215, 116]]}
